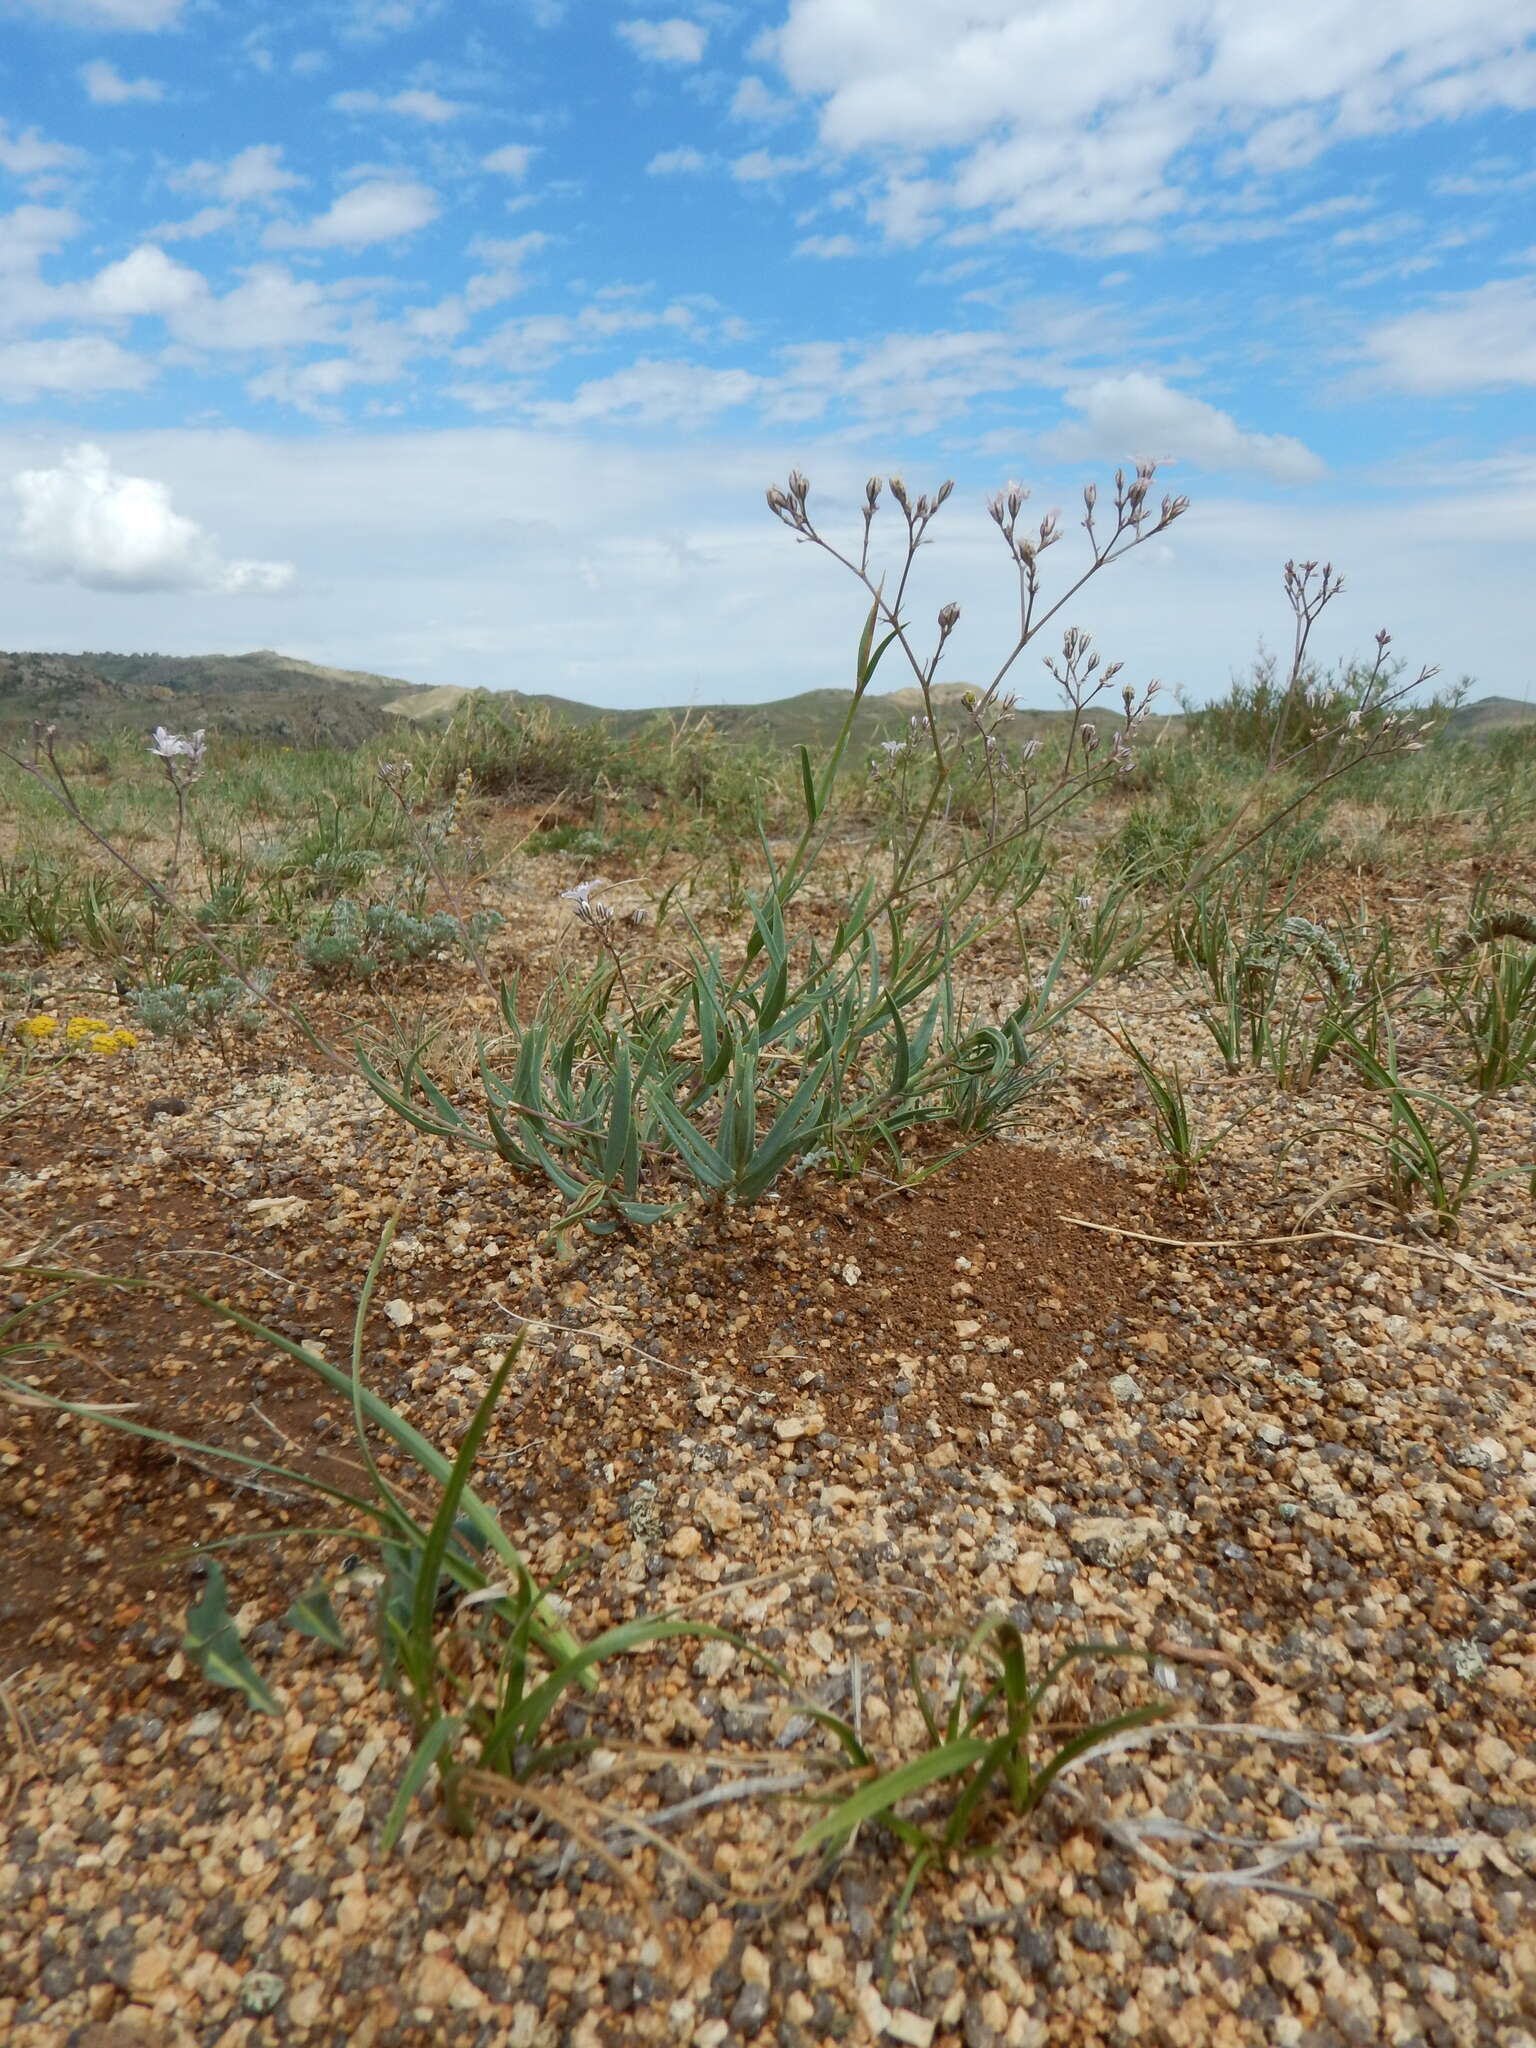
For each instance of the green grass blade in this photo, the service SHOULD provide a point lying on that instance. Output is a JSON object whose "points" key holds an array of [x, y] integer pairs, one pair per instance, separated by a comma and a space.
{"points": [[872, 1801], [438, 1737]]}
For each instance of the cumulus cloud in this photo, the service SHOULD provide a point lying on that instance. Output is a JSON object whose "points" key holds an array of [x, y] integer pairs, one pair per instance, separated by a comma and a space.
{"points": [[430, 107], [32, 232], [684, 161], [129, 16], [752, 101], [254, 174], [673, 41], [86, 523], [1137, 415], [1482, 340], [652, 394], [377, 210], [827, 248], [146, 282], [75, 363], [28, 156], [105, 85], [511, 160], [1074, 118]]}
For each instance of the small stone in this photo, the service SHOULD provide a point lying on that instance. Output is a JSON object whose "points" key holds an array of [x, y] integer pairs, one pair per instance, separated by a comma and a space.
{"points": [[1481, 1455], [440, 1982], [1124, 1388], [713, 1661], [719, 1513], [750, 2010], [261, 1992], [910, 2028], [1287, 1967], [1271, 1435], [400, 1313], [790, 1428], [1466, 1660], [684, 1542], [151, 1971], [1114, 1539]]}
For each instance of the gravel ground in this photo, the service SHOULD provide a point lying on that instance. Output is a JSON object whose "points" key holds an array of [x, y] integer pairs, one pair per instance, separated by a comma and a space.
{"points": [[1300, 1473]]}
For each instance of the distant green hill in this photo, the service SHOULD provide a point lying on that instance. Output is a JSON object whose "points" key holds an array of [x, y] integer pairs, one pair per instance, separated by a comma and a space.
{"points": [[276, 697], [1492, 715], [263, 695]]}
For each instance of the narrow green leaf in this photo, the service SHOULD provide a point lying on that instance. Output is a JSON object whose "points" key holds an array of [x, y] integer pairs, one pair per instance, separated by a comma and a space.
{"points": [[808, 787], [871, 1801], [438, 1737], [213, 1643], [313, 1614], [520, 1725], [439, 1535]]}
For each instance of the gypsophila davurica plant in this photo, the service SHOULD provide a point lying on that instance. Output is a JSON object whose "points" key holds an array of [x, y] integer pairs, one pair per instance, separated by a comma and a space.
{"points": [[802, 1046], [228, 1006], [350, 940], [1310, 730]]}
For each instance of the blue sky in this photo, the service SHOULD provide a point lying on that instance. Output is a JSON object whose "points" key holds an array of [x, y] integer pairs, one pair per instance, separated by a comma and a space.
{"points": [[459, 341]]}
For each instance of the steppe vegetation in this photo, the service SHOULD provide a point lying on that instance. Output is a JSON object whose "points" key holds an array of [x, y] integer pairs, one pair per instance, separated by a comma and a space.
{"points": [[853, 1390]]}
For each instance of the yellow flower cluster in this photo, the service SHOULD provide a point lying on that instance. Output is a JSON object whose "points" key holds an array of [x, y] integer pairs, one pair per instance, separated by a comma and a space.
{"points": [[90, 1034]]}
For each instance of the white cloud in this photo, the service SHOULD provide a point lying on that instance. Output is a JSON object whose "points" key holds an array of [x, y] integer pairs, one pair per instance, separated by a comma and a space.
{"points": [[827, 248], [761, 166], [1482, 340], [256, 173], [269, 309], [378, 210], [684, 161], [1075, 118], [85, 523], [910, 383], [28, 156], [652, 394], [32, 232], [505, 258], [752, 101], [430, 107], [1137, 415], [105, 86], [72, 364], [145, 283], [208, 220], [673, 41], [512, 160], [130, 16]]}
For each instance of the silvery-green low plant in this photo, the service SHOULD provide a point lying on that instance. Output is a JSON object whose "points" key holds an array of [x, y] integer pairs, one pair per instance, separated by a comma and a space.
{"points": [[354, 941], [230, 1004], [815, 1047]]}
